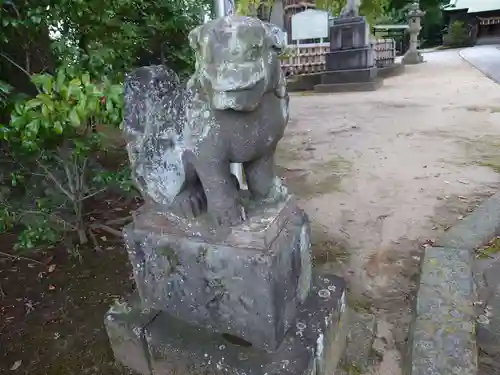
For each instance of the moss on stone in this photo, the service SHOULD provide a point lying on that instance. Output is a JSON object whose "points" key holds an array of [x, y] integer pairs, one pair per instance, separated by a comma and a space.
{"points": [[352, 369], [357, 304], [171, 256], [492, 248]]}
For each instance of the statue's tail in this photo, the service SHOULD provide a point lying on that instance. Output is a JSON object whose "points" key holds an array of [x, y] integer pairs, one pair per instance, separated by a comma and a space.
{"points": [[153, 123]]}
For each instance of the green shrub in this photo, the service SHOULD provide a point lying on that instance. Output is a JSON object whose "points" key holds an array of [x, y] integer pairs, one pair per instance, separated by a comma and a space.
{"points": [[458, 35], [51, 144]]}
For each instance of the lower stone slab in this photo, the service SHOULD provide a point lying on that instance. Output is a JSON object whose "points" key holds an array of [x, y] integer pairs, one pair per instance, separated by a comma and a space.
{"points": [[349, 76], [349, 87], [125, 322], [357, 58], [166, 345], [411, 58], [303, 82], [390, 70]]}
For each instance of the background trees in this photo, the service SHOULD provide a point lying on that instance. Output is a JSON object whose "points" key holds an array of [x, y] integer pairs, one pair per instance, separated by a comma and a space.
{"points": [[62, 64], [61, 67]]}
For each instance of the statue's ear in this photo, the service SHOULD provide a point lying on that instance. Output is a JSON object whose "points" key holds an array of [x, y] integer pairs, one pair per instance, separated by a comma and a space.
{"points": [[275, 36], [194, 38]]}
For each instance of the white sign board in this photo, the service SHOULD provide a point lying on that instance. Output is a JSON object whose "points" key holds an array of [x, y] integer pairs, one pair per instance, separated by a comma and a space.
{"points": [[310, 24]]}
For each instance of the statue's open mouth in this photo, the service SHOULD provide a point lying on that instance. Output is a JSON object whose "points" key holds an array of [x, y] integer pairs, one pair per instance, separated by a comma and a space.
{"points": [[257, 86], [239, 99]]}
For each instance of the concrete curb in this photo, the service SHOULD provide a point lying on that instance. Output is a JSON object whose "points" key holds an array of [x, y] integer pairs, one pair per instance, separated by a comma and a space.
{"points": [[443, 335]]}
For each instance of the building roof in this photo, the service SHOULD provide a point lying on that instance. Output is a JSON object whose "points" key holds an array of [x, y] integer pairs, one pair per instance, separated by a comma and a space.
{"points": [[473, 6]]}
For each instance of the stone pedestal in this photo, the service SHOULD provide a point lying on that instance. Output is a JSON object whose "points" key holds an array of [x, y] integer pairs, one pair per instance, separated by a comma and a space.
{"points": [[155, 343], [350, 64], [249, 283], [238, 301], [348, 33]]}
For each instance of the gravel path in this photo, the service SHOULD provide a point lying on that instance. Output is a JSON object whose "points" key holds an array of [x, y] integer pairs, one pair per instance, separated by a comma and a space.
{"points": [[383, 173]]}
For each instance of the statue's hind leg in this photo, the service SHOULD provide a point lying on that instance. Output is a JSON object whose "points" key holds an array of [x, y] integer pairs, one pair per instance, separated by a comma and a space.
{"points": [[190, 202], [260, 175], [221, 190]]}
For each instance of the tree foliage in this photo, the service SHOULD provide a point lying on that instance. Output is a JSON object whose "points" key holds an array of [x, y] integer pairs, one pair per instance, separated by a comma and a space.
{"points": [[370, 9], [62, 64], [432, 24]]}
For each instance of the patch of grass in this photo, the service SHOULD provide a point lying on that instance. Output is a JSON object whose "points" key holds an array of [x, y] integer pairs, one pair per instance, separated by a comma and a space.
{"points": [[484, 152], [327, 185], [352, 369], [329, 251], [337, 163], [488, 251], [358, 304], [306, 93], [321, 177], [475, 108], [492, 164], [288, 155]]}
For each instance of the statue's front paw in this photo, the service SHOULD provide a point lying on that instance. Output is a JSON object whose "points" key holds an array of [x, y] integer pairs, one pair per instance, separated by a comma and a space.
{"points": [[190, 203], [229, 216]]}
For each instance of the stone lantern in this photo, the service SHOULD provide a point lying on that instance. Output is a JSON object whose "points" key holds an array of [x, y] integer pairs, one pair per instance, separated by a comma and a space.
{"points": [[415, 15]]}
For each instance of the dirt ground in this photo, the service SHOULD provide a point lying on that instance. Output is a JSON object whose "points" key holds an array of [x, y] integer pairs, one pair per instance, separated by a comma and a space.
{"points": [[383, 174], [380, 174], [52, 302]]}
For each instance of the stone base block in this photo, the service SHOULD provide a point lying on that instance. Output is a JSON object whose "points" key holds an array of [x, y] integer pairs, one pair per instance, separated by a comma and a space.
{"points": [[303, 82], [412, 58], [391, 70], [349, 76], [313, 346], [359, 58], [348, 33], [124, 324], [248, 283], [349, 87]]}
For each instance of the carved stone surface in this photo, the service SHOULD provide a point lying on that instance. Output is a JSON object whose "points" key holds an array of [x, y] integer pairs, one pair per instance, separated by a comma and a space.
{"points": [[249, 283], [234, 109], [124, 322], [313, 346], [349, 33], [349, 60]]}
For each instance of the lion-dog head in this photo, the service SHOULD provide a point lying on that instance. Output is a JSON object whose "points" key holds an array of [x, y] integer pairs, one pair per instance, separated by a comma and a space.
{"points": [[237, 61]]}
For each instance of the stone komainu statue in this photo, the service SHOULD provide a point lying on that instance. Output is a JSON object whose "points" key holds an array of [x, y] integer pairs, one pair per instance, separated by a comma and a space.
{"points": [[351, 9], [234, 109]]}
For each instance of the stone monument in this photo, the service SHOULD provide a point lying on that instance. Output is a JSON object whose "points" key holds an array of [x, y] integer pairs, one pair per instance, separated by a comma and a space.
{"points": [[223, 276], [350, 64], [413, 55]]}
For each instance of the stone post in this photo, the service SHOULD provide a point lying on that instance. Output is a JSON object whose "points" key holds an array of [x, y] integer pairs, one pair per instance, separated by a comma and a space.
{"points": [[224, 8], [415, 15]]}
